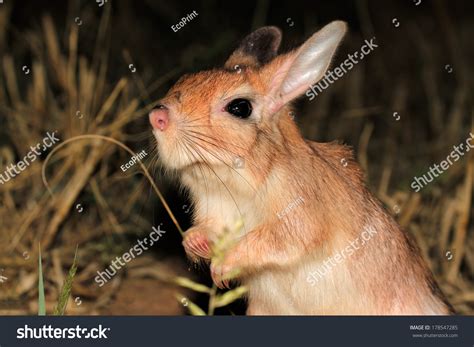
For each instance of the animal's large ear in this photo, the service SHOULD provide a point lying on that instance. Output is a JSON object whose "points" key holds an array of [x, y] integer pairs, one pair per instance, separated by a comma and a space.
{"points": [[293, 73], [257, 49]]}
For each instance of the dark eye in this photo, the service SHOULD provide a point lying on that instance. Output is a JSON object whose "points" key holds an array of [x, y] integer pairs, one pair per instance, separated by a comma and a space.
{"points": [[241, 108], [159, 107]]}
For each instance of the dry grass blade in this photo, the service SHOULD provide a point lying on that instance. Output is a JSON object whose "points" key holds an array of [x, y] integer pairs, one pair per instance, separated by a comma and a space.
{"points": [[110, 139], [107, 106], [462, 224]]}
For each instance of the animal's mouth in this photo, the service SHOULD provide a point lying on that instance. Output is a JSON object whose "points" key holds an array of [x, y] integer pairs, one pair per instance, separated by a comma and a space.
{"points": [[181, 155]]}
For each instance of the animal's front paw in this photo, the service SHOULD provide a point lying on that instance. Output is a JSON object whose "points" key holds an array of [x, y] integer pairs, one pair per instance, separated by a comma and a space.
{"points": [[196, 244], [222, 271]]}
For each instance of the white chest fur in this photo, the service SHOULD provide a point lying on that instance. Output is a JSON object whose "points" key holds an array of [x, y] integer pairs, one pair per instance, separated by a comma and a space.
{"points": [[224, 204]]}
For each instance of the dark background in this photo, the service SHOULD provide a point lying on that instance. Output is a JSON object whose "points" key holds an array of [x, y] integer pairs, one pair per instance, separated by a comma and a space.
{"points": [[407, 74]]}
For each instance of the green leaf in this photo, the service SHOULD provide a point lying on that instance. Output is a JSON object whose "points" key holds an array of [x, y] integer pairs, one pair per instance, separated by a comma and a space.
{"points": [[194, 309], [66, 289], [41, 300], [230, 296], [187, 283]]}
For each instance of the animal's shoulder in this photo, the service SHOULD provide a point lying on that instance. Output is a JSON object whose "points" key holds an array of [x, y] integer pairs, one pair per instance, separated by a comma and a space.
{"points": [[339, 156]]}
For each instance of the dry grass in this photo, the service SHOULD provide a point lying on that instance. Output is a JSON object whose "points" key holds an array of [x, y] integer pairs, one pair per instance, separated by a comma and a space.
{"points": [[84, 171], [65, 92]]}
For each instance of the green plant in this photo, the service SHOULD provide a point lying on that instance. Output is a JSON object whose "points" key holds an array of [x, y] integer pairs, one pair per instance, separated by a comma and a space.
{"points": [[41, 300], [64, 294], [226, 240], [215, 300]]}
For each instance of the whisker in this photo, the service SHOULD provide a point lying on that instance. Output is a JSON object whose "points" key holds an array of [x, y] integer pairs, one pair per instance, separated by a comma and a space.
{"points": [[230, 167], [217, 146], [202, 173], [217, 140], [204, 161]]}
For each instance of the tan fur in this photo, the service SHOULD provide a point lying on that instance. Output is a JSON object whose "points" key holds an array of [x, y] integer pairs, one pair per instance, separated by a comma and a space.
{"points": [[275, 255]]}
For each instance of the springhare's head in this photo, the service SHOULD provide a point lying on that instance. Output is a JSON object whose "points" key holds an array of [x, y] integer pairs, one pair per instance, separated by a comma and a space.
{"points": [[240, 110]]}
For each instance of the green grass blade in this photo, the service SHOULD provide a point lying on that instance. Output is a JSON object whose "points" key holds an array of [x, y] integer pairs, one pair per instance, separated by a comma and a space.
{"points": [[187, 283], [41, 300], [194, 309], [230, 296], [66, 289]]}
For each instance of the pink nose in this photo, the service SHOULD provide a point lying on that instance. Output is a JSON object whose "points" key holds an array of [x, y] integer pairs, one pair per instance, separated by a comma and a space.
{"points": [[159, 118]]}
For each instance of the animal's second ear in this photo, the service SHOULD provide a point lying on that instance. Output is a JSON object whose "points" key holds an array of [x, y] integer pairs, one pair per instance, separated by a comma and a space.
{"points": [[293, 73], [257, 48]]}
